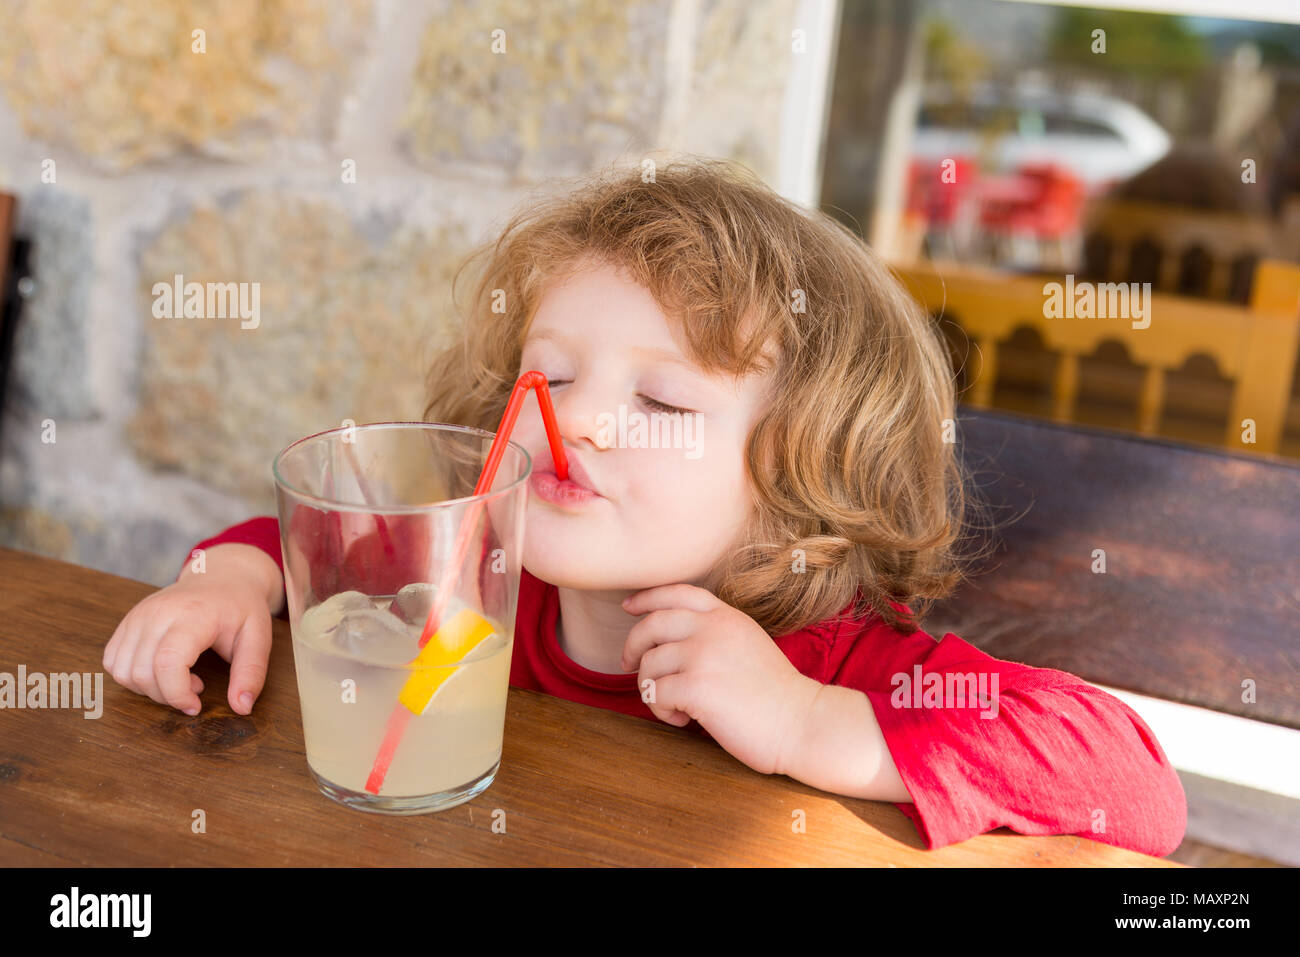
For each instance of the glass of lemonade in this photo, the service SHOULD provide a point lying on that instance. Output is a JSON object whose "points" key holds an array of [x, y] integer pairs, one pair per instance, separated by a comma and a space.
{"points": [[369, 522]]}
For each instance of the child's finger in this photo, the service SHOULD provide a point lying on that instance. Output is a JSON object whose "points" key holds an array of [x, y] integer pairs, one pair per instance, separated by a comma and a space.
{"points": [[669, 624], [248, 662], [124, 655], [143, 677], [114, 644], [679, 595], [124, 636], [667, 695], [172, 659]]}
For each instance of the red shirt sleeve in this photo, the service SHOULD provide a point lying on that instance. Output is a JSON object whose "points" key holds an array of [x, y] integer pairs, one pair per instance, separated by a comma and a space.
{"points": [[262, 532], [395, 551], [1037, 750]]}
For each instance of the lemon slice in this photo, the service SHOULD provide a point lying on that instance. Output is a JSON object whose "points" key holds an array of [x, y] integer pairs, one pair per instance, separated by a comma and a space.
{"points": [[450, 644]]}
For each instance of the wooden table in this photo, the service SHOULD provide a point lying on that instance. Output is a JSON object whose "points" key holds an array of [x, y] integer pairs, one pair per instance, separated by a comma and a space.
{"points": [[578, 785]]}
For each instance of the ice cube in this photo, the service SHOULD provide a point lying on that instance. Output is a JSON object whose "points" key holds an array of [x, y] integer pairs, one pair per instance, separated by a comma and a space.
{"points": [[412, 603], [319, 620], [376, 637]]}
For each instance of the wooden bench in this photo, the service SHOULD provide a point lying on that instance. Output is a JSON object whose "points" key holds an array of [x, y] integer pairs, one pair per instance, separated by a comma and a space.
{"points": [[1199, 592]]}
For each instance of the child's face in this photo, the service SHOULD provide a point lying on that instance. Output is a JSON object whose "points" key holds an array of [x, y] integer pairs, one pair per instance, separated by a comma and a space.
{"points": [[663, 515]]}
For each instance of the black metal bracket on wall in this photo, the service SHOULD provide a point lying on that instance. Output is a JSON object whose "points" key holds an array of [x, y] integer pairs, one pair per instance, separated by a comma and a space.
{"points": [[18, 287]]}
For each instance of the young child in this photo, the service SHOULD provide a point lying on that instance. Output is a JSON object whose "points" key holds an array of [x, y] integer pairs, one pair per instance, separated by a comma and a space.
{"points": [[760, 583]]}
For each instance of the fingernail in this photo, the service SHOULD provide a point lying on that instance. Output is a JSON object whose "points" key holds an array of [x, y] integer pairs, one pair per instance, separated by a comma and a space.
{"points": [[191, 711], [246, 701]]}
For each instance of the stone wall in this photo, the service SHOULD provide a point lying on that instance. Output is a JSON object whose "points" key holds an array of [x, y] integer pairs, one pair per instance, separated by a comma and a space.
{"points": [[140, 149]]}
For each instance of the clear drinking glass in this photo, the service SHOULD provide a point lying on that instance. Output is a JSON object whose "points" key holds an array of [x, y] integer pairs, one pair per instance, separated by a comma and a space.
{"points": [[369, 520]]}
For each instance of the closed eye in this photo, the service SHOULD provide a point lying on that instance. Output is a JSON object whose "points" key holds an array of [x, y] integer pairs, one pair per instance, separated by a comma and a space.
{"points": [[664, 406], [652, 403]]}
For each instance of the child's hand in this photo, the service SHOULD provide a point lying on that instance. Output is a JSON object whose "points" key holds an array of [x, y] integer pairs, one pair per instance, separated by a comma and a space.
{"points": [[155, 645], [713, 663]]}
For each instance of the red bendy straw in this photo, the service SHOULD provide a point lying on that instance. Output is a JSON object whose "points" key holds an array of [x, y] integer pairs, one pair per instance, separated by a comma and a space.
{"points": [[397, 721]]}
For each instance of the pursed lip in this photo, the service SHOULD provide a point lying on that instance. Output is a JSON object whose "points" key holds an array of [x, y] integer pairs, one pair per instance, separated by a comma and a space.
{"points": [[545, 462]]}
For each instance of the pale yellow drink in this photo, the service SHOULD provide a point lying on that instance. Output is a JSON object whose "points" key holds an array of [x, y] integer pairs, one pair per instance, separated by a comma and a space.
{"points": [[352, 656]]}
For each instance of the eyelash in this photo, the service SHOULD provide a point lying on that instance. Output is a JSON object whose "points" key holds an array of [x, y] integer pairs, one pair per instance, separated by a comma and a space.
{"points": [[653, 403]]}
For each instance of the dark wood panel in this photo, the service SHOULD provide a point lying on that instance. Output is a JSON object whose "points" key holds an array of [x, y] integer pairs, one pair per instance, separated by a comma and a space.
{"points": [[1202, 555]]}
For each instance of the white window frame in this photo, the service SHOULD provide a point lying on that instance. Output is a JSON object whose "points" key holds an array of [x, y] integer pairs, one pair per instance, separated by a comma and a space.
{"points": [[1272, 11]]}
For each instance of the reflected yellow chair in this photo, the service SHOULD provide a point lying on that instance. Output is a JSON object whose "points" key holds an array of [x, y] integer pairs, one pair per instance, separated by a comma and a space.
{"points": [[1254, 346], [1227, 240]]}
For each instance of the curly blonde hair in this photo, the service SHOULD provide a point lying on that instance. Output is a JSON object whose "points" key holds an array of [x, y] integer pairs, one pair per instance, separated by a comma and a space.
{"points": [[852, 477]]}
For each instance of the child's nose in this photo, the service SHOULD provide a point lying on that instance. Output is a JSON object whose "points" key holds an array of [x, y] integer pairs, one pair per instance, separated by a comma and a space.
{"points": [[579, 408]]}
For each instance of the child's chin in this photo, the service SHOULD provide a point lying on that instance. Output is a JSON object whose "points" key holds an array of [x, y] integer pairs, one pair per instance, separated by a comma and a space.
{"points": [[554, 529], [563, 571]]}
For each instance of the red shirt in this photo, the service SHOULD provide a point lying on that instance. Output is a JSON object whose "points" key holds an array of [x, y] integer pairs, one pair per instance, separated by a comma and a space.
{"points": [[1059, 757]]}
